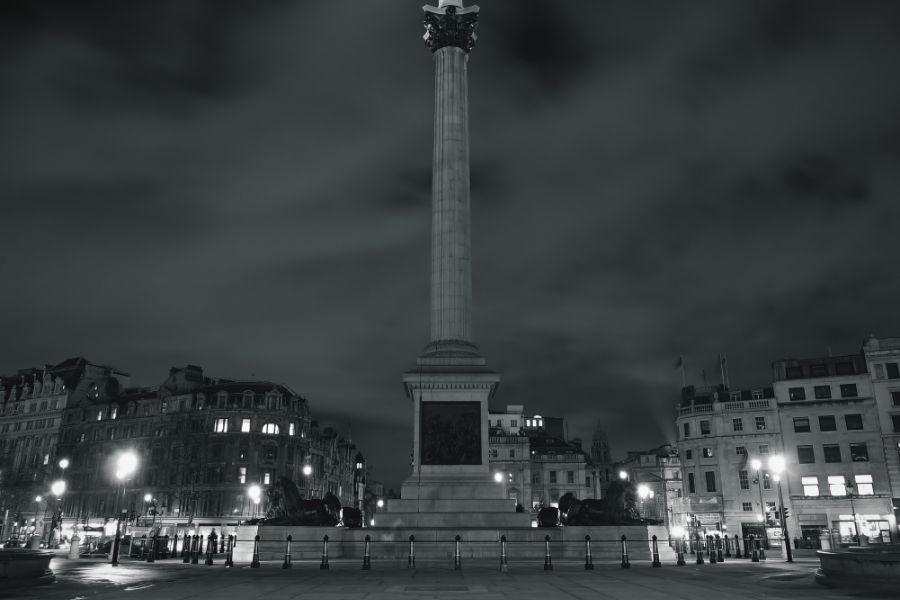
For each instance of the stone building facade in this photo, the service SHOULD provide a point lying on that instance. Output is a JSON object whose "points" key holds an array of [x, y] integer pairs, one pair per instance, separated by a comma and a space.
{"points": [[883, 364]]}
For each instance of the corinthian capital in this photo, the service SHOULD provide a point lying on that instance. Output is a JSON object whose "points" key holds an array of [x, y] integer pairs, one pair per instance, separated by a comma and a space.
{"points": [[450, 24]]}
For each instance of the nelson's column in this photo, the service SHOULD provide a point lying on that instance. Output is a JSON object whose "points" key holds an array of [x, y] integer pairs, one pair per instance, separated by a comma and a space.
{"points": [[451, 484]]}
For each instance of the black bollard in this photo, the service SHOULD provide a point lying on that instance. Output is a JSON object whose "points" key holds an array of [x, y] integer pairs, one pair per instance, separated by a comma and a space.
{"points": [[719, 556], [457, 559], [175, 546], [737, 547], [254, 564], [727, 547], [588, 559], [690, 544], [151, 556], [755, 545], [699, 548], [324, 564], [412, 552], [762, 549], [196, 548], [548, 562], [287, 553], [748, 547], [222, 547], [229, 552], [186, 548], [679, 548], [655, 544], [625, 562], [210, 548], [504, 568], [711, 549], [367, 565], [143, 546]]}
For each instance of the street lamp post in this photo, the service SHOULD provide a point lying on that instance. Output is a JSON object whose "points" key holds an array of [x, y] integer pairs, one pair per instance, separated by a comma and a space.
{"points": [[776, 465], [58, 489], [757, 465], [37, 502], [126, 464], [849, 486], [254, 492]]}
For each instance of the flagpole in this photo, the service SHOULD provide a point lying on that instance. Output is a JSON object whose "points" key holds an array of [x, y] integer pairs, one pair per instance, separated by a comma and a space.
{"points": [[683, 376]]}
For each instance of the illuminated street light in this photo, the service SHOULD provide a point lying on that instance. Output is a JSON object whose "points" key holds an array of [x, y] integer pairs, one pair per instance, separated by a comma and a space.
{"points": [[380, 503], [126, 465], [307, 470], [148, 497], [58, 488], [64, 464], [776, 465], [254, 492], [623, 475], [498, 477], [643, 491]]}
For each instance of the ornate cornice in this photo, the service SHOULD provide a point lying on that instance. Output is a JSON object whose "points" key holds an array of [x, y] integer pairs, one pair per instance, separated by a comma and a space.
{"points": [[450, 26]]}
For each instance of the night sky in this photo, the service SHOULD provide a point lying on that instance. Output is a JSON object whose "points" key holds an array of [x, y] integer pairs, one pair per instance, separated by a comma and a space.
{"points": [[246, 186]]}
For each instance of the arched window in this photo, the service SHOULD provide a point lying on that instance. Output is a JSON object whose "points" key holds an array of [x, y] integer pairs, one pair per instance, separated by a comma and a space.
{"points": [[270, 428]]}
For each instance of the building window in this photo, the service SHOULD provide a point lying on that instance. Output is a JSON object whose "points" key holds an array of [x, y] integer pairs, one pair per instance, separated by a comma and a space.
{"points": [[737, 424], [740, 450], [515, 423], [767, 481], [270, 452], [270, 428], [552, 476], [291, 429], [163, 406], [793, 373], [760, 423], [836, 485], [688, 455], [704, 428], [801, 424], [710, 481], [747, 506], [810, 486], [848, 390], [763, 448], [853, 421], [691, 487], [744, 480], [893, 372], [570, 476], [757, 394], [895, 421], [822, 392], [267, 478], [221, 425], [707, 452], [859, 452], [818, 371], [687, 430], [895, 398], [805, 455], [242, 474], [864, 485], [245, 425], [832, 453], [879, 371], [512, 452], [827, 423], [797, 393], [494, 453]]}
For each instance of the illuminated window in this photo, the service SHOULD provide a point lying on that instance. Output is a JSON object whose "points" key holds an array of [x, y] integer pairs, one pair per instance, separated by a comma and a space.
{"points": [[270, 428], [810, 486], [864, 485], [767, 481], [707, 452], [245, 425], [242, 474], [291, 429], [836, 485], [113, 412], [99, 415], [267, 478], [221, 425]]}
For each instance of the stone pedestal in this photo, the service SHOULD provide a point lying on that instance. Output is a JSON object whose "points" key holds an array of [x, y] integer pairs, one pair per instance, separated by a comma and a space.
{"points": [[75, 547]]}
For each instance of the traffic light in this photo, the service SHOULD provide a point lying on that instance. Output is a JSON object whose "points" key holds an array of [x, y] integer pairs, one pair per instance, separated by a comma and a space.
{"points": [[770, 518], [786, 513]]}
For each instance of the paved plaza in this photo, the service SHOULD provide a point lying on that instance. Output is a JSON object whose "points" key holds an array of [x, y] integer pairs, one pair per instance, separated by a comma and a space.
{"points": [[170, 580]]}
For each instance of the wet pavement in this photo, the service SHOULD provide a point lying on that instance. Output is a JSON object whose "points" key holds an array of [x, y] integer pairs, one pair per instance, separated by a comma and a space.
{"points": [[172, 580]]}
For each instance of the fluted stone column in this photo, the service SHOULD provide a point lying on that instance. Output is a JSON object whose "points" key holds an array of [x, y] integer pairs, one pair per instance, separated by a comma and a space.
{"points": [[450, 33]]}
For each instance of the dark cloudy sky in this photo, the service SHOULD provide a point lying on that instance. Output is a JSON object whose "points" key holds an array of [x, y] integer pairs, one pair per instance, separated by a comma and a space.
{"points": [[245, 186]]}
